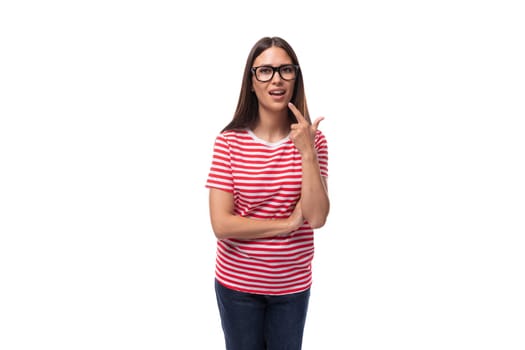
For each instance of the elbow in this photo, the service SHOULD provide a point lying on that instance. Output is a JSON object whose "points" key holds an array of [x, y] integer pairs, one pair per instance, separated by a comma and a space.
{"points": [[317, 223], [219, 231], [223, 226], [219, 234]]}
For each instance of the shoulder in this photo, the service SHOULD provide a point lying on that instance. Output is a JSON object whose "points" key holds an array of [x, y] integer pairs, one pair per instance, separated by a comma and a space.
{"points": [[233, 136], [234, 133]]}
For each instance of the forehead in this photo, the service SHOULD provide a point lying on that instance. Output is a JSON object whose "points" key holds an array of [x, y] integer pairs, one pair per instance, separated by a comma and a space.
{"points": [[272, 56]]}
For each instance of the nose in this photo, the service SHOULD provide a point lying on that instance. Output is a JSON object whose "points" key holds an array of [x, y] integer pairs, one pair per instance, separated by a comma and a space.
{"points": [[276, 75]]}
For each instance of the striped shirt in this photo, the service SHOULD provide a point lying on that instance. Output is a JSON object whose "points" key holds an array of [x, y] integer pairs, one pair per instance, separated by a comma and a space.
{"points": [[265, 180]]}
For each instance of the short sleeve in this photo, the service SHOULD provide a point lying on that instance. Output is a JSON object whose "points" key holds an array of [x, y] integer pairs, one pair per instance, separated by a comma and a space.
{"points": [[220, 175], [321, 146]]}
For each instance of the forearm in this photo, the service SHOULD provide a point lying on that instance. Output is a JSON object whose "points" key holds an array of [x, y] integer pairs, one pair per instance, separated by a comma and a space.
{"points": [[314, 194], [234, 226], [226, 224]]}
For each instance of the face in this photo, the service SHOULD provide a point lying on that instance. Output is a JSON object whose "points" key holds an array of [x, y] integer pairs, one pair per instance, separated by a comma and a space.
{"points": [[274, 95]]}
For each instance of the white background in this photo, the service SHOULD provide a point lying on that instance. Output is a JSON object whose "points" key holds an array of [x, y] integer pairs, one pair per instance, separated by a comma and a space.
{"points": [[109, 111]]}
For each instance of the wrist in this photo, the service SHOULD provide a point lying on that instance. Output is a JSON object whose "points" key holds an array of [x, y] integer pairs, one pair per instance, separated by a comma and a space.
{"points": [[309, 156]]}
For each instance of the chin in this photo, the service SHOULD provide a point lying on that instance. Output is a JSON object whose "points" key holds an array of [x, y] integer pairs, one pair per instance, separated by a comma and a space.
{"points": [[275, 107], [280, 108]]}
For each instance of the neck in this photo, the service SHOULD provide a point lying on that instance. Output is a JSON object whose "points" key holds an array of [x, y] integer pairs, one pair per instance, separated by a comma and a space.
{"points": [[272, 127]]}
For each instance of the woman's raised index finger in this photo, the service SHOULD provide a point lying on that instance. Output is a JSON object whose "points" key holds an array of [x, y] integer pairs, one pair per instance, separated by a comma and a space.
{"points": [[297, 113]]}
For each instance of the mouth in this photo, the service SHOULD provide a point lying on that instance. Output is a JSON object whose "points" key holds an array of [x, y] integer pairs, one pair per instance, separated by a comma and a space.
{"points": [[277, 92]]}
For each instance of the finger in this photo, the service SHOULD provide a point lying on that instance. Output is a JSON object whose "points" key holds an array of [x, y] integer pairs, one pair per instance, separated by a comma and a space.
{"points": [[316, 122], [297, 113]]}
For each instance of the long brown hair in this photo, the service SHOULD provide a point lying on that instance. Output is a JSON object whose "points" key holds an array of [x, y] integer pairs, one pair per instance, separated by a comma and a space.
{"points": [[247, 111]]}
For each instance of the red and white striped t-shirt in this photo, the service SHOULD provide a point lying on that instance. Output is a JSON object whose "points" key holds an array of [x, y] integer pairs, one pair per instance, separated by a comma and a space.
{"points": [[265, 179]]}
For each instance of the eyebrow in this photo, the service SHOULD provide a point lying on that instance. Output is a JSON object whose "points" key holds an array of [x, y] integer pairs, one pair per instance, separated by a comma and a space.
{"points": [[269, 65]]}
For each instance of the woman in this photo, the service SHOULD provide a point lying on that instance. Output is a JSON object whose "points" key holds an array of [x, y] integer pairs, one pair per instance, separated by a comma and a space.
{"points": [[268, 192]]}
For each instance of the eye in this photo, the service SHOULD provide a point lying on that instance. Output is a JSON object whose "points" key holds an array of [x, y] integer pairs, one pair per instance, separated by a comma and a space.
{"points": [[265, 70], [287, 69]]}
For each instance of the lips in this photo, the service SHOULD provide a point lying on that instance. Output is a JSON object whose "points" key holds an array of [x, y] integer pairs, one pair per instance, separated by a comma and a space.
{"points": [[277, 92]]}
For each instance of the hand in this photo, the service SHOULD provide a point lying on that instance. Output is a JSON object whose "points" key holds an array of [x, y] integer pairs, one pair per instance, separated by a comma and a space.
{"points": [[296, 219], [302, 133]]}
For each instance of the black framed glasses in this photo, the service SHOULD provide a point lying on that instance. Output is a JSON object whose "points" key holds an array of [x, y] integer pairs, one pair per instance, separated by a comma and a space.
{"points": [[265, 73]]}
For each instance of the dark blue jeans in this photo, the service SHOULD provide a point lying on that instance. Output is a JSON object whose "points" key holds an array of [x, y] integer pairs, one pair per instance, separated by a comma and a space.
{"points": [[262, 322]]}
